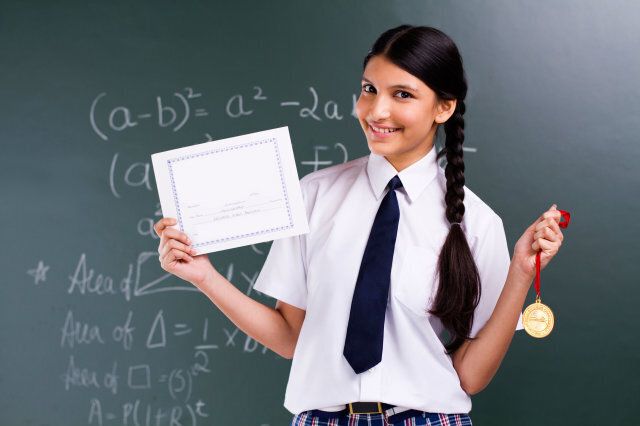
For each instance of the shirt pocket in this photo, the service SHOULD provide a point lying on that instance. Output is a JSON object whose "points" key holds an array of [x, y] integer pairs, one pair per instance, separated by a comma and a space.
{"points": [[416, 284]]}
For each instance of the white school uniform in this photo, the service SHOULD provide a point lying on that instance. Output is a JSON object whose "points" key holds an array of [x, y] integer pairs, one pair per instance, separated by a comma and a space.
{"points": [[318, 271]]}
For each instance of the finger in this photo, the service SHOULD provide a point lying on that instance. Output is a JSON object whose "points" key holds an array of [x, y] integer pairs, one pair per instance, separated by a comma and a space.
{"points": [[160, 225], [553, 214], [556, 229], [175, 234], [551, 224], [179, 254], [545, 223], [174, 244], [170, 233], [547, 246], [546, 233], [175, 255]]}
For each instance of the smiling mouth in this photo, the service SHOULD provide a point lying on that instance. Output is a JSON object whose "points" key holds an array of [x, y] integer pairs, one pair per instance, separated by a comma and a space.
{"points": [[382, 132]]}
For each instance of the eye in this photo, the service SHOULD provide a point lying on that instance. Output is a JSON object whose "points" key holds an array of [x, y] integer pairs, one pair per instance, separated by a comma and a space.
{"points": [[364, 87], [406, 93]]}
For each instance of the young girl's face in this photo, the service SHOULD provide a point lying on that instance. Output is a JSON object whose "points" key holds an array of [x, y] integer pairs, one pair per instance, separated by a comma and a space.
{"points": [[398, 113]]}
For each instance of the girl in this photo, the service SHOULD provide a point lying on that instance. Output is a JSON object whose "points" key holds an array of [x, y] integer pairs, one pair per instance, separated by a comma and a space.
{"points": [[402, 300]]}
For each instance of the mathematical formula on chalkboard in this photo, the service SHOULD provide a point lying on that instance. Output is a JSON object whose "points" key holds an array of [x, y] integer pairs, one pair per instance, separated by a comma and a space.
{"points": [[162, 332], [173, 111]]}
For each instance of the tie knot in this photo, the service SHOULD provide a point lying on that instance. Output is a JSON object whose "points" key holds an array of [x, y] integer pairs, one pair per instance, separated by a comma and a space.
{"points": [[395, 183]]}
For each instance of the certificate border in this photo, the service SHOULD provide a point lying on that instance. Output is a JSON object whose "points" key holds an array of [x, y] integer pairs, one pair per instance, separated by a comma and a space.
{"points": [[174, 191]]}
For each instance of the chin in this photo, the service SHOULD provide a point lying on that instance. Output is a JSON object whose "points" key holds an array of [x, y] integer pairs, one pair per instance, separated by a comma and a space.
{"points": [[381, 148]]}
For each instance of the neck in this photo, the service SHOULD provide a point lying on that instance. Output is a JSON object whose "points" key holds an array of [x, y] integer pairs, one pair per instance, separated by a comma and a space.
{"points": [[402, 161]]}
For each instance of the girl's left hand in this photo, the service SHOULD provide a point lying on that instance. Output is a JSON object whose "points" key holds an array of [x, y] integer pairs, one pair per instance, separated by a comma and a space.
{"points": [[544, 234]]}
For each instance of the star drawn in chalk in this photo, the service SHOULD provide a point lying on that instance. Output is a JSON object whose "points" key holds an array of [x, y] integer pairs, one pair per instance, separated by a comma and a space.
{"points": [[39, 272]]}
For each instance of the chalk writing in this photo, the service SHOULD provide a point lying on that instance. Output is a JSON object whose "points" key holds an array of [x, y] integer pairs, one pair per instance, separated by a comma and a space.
{"points": [[39, 273], [174, 111]]}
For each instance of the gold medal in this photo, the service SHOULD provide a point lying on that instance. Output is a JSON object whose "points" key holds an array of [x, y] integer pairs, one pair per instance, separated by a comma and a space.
{"points": [[538, 319]]}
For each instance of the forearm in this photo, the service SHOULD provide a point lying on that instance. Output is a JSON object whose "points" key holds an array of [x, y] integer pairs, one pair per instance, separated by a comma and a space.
{"points": [[263, 323], [483, 355]]}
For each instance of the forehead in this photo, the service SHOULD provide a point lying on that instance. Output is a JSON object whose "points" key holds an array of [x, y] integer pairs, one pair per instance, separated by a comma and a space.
{"points": [[384, 73]]}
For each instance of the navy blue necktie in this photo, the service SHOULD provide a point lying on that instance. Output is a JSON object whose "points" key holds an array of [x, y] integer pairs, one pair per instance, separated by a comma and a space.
{"points": [[365, 331]]}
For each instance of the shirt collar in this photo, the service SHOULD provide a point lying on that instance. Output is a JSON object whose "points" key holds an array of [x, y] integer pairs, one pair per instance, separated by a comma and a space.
{"points": [[414, 178]]}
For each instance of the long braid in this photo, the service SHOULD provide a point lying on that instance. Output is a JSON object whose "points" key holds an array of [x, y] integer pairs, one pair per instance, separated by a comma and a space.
{"points": [[454, 171], [459, 289]]}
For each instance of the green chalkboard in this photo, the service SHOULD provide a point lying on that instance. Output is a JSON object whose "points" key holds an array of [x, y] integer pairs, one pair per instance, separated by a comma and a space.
{"points": [[94, 332]]}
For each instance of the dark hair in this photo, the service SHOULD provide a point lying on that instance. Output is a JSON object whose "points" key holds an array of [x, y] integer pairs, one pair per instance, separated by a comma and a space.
{"points": [[430, 55]]}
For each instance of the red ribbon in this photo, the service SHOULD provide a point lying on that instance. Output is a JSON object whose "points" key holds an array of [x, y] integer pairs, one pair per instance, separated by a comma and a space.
{"points": [[561, 224]]}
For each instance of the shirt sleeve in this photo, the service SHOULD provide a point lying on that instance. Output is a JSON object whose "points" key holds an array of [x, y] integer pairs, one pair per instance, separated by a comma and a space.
{"points": [[492, 260], [284, 273]]}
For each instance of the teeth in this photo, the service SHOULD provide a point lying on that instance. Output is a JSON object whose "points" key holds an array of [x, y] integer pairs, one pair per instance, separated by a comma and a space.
{"points": [[383, 130]]}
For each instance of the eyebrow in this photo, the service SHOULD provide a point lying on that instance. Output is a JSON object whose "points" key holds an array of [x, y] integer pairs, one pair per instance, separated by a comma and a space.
{"points": [[396, 86]]}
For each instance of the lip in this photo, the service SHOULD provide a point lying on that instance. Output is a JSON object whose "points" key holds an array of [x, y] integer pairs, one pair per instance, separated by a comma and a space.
{"points": [[382, 135], [380, 126]]}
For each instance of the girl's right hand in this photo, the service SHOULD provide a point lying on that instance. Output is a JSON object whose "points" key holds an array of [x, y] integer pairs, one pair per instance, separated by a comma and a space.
{"points": [[178, 257]]}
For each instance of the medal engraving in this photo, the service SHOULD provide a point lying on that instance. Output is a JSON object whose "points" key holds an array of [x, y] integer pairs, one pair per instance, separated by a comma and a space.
{"points": [[538, 319]]}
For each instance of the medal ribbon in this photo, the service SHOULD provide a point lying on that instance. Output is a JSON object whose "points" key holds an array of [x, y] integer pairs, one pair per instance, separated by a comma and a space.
{"points": [[561, 224]]}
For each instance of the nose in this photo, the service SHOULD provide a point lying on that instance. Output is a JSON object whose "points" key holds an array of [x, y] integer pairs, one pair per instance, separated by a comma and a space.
{"points": [[380, 109]]}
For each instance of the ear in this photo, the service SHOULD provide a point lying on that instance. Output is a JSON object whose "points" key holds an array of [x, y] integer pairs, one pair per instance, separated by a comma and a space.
{"points": [[446, 108]]}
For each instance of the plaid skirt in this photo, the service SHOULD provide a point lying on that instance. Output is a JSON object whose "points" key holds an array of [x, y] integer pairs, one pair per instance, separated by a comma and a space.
{"points": [[406, 418]]}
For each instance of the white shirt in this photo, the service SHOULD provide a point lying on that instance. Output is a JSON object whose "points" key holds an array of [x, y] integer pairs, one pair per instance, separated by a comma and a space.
{"points": [[318, 271]]}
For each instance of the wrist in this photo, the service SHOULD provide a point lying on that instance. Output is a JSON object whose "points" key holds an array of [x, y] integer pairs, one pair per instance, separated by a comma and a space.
{"points": [[207, 279], [521, 276]]}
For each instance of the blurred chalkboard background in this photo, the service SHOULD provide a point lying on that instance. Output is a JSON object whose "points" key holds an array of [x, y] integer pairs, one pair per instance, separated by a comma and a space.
{"points": [[94, 332]]}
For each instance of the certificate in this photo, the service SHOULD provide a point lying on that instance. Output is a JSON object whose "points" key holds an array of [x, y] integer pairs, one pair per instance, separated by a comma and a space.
{"points": [[232, 192]]}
